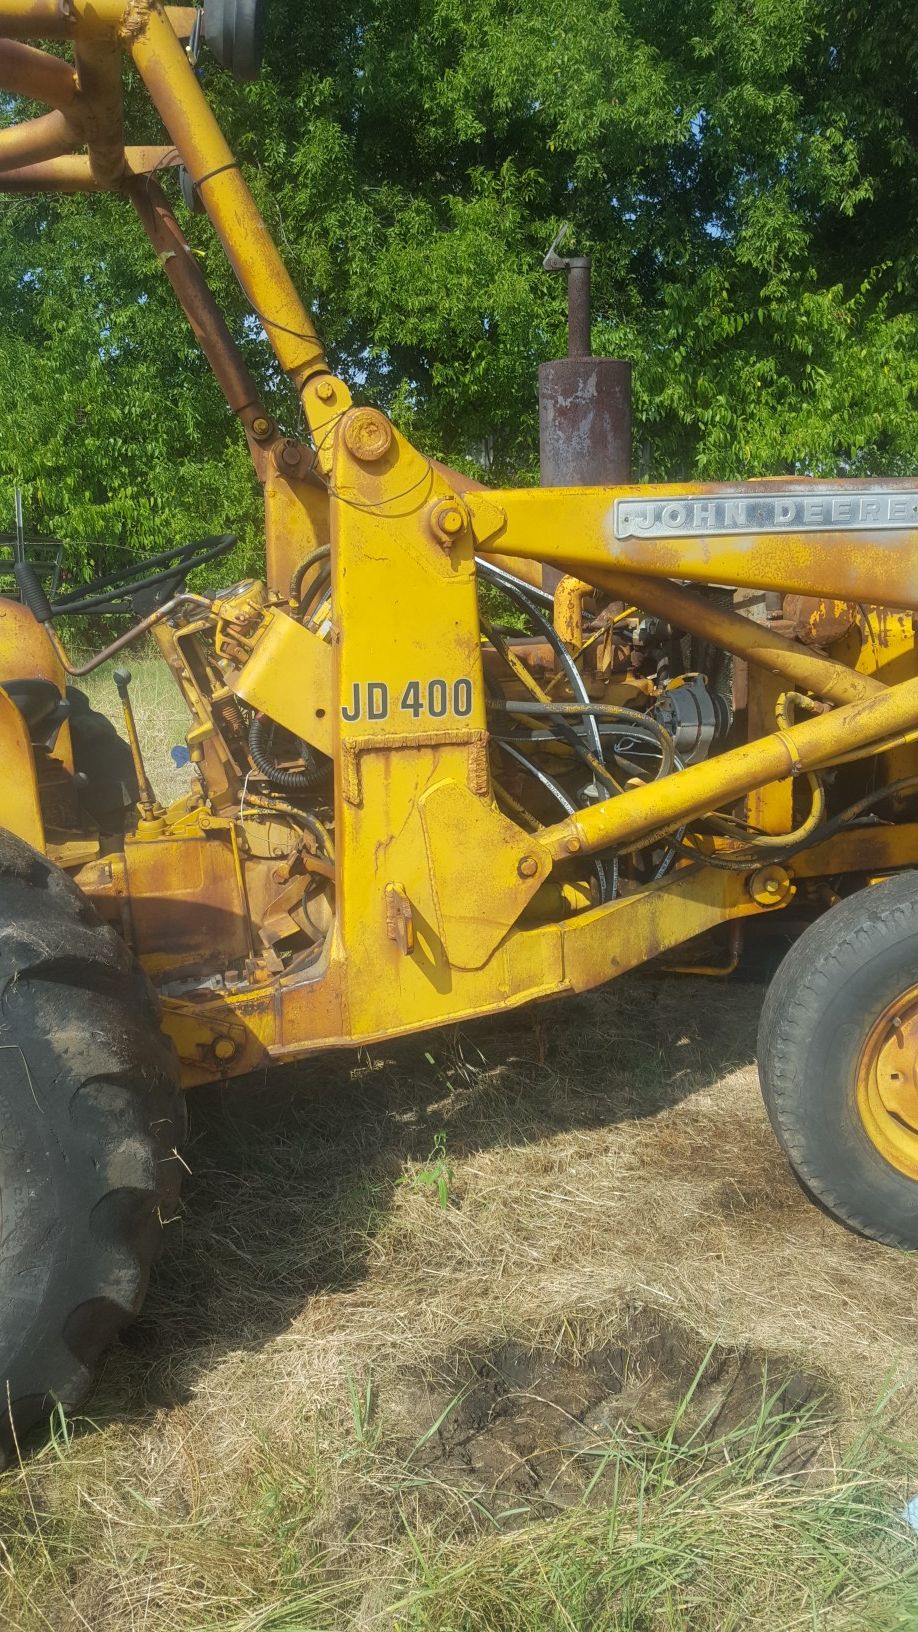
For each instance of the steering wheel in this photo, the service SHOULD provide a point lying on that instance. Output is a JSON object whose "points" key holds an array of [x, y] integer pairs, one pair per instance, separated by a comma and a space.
{"points": [[141, 586]]}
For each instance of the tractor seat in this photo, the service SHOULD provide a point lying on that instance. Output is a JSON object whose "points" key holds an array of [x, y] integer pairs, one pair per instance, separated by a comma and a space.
{"points": [[41, 706]]}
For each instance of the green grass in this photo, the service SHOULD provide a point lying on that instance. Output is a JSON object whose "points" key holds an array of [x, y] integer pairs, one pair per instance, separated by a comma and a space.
{"points": [[674, 1532], [160, 711]]}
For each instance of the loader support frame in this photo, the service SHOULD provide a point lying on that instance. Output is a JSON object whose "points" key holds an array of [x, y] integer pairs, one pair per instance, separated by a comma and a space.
{"points": [[444, 905]]}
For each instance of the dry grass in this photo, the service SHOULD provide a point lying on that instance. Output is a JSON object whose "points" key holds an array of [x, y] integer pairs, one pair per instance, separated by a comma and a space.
{"points": [[522, 1327], [262, 1453]]}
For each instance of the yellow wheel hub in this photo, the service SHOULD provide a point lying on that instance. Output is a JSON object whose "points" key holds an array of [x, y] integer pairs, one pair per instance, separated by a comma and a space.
{"points": [[887, 1084]]}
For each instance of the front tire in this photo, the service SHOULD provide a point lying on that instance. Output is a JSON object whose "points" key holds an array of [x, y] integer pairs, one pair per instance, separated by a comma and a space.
{"points": [[90, 1121], [838, 1060]]}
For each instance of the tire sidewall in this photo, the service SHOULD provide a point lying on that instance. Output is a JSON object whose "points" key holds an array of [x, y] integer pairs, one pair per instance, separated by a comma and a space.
{"points": [[816, 1115], [30, 1211]]}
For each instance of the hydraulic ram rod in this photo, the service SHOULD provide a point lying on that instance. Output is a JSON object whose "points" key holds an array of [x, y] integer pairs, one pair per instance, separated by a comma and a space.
{"points": [[187, 115], [194, 296], [660, 807]]}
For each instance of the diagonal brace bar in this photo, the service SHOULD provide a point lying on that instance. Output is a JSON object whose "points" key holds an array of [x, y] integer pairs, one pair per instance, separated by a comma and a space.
{"points": [[660, 807]]}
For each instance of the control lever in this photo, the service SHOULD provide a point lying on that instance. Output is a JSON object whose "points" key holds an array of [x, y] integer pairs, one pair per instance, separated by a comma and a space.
{"points": [[150, 810]]}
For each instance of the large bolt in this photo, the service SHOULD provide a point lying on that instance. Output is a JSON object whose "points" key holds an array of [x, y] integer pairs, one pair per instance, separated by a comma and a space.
{"points": [[771, 886], [325, 391], [527, 867], [261, 427], [448, 520], [367, 434], [290, 453]]}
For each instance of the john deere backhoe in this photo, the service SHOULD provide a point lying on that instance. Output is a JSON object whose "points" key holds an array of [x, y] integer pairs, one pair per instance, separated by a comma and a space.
{"points": [[405, 810]]}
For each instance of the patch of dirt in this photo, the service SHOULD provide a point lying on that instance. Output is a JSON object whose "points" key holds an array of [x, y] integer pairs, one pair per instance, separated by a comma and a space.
{"points": [[523, 1433]]}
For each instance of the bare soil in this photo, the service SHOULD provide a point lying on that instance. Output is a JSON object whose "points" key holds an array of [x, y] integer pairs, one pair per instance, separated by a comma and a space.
{"points": [[524, 1432]]}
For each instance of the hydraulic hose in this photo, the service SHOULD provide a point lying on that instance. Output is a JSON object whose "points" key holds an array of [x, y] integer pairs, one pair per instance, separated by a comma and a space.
{"points": [[847, 818], [778, 841], [299, 573], [261, 731], [527, 604], [277, 807], [636, 724], [606, 870]]}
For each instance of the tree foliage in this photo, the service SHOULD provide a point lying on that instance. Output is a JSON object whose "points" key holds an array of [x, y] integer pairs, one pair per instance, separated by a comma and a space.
{"points": [[742, 173]]}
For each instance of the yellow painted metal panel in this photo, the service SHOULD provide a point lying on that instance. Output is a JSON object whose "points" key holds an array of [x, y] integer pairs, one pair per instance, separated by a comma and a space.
{"points": [[458, 825], [573, 528], [289, 677]]}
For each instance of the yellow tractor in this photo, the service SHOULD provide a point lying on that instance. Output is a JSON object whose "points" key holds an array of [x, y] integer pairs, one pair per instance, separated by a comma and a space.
{"points": [[676, 708]]}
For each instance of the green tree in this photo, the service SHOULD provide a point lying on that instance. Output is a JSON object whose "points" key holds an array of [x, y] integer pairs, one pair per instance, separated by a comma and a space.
{"points": [[743, 175]]}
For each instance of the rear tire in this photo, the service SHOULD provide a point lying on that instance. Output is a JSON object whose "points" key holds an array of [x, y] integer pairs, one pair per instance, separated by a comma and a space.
{"points": [[855, 965], [91, 1117]]}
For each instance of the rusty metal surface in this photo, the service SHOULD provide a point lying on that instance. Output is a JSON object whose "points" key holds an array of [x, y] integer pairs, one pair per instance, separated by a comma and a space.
{"points": [[36, 19], [584, 422], [47, 137], [584, 401], [579, 338], [194, 296], [98, 64], [130, 635], [27, 72], [72, 172], [744, 637], [816, 621], [182, 19], [186, 904]]}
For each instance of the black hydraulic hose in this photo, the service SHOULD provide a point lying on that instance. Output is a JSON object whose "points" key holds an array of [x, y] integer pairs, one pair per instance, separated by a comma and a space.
{"points": [[261, 731], [845, 819], [643, 725], [606, 871], [562, 733], [317, 593], [267, 807], [512, 589], [299, 573], [505, 580], [849, 816]]}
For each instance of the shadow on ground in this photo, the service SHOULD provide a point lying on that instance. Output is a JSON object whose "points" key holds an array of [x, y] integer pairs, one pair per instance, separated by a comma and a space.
{"points": [[293, 1172]]}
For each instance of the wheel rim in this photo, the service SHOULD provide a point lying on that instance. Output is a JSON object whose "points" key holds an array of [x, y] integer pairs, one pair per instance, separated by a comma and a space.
{"points": [[887, 1084]]}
